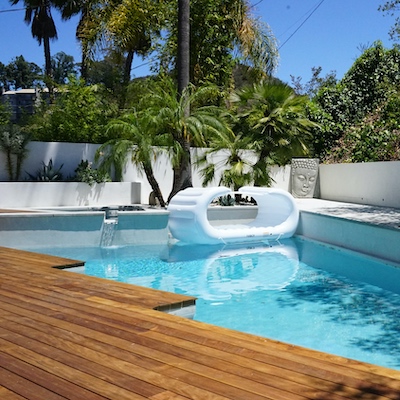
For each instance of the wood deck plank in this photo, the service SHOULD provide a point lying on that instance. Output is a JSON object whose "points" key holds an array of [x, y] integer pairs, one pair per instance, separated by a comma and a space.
{"points": [[24, 388], [81, 338], [40, 377], [159, 348], [199, 376], [74, 285], [174, 338], [7, 394]]}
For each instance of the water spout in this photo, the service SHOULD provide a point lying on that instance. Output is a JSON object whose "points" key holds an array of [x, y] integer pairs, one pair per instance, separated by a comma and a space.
{"points": [[109, 227]]}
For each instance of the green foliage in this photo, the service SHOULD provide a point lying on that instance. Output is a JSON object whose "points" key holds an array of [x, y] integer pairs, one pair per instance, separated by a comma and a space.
{"points": [[79, 114], [63, 66], [389, 8], [108, 72], [354, 110], [276, 119], [234, 166], [136, 140], [222, 33], [227, 201], [13, 142], [375, 138], [369, 81], [47, 173], [269, 125], [5, 113], [85, 173], [20, 74], [316, 82], [183, 121]]}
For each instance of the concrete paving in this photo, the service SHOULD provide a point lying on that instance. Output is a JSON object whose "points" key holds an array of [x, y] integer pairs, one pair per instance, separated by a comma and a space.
{"points": [[383, 216]]}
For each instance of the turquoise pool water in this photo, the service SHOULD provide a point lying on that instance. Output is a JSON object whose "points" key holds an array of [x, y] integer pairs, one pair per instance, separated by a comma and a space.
{"points": [[296, 291]]}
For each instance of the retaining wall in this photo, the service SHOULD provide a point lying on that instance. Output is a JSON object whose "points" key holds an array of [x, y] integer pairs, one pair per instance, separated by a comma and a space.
{"points": [[375, 183]]}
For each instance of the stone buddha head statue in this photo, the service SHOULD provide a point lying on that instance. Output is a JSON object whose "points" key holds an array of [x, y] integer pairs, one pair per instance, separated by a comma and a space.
{"points": [[304, 176]]}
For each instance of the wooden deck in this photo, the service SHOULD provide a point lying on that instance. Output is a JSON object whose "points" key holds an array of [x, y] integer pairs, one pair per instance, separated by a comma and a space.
{"points": [[69, 336]]}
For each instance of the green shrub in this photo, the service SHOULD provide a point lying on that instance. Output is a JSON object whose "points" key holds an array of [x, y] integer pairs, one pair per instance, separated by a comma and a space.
{"points": [[47, 173], [85, 173]]}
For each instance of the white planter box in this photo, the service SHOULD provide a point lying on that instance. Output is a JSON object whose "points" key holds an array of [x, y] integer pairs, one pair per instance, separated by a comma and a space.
{"points": [[70, 194]]}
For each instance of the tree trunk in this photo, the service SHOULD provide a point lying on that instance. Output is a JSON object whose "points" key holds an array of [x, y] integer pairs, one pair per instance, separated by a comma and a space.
{"points": [[10, 168], [148, 170], [128, 67], [84, 66], [48, 68], [183, 171], [183, 62]]}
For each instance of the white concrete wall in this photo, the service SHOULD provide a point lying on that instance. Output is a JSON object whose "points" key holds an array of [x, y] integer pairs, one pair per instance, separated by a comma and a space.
{"points": [[374, 183], [69, 154], [59, 194]]}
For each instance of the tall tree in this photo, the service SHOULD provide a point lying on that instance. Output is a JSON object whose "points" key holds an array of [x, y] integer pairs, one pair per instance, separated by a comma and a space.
{"points": [[63, 65], [183, 171], [131, 26], [20, 74], [38, 15], [70, 8], [390, 7], [222, 33], [358, 115], [183, 64], [127, 27]]}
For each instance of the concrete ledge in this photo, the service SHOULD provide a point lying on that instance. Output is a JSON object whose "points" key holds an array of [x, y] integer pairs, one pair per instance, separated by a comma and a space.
{"points": [[368, 233], [81, 229]]}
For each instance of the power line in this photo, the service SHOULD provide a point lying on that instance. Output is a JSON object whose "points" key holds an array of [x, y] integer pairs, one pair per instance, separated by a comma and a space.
{"points": [[12, 9], [254, 5], [309, 16]]}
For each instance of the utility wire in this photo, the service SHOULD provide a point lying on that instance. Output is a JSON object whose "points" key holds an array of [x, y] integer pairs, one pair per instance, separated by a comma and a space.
{"points": [[255, 5], [11, 10], [309, 16]]}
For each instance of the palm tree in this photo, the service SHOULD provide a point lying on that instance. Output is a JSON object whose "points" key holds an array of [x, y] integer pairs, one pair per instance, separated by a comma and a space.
{"points": [[38, 14], [135, 140], [275, 118], [132, 26], [126, 27], [222, 34], [184, 129], [183, 67], [228, 157], [255, 42], [70, 8]]}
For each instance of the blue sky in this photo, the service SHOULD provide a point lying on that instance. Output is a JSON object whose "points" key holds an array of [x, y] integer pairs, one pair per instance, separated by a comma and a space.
{"points": [[331, 37]]}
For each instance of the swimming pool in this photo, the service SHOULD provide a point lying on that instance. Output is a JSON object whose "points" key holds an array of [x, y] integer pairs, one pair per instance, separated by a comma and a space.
{"points": [[298, 291]]}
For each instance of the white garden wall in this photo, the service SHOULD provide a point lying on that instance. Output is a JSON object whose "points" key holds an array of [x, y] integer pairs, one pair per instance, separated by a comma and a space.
{"points": [[375, 183], [59, 194]]}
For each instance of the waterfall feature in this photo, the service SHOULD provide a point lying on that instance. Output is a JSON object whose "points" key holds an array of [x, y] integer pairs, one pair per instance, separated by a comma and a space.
{"points": [[109, 227]]}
